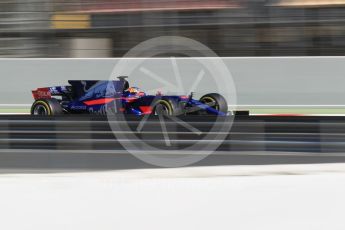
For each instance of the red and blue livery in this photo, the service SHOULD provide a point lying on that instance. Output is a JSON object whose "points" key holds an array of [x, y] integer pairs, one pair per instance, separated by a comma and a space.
{"points": [[101, 97]]}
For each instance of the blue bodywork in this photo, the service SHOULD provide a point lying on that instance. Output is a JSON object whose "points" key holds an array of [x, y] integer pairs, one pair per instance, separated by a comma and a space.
{"points": [[99, 97]]}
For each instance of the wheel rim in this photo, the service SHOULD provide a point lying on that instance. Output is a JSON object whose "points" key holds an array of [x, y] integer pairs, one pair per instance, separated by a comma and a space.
{"points": [[162, 109], [210, 102], [40, 110]]}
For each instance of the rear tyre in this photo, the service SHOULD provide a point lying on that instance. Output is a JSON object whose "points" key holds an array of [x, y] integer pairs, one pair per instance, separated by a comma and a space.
{"points": [[46, 107], [167, 107], [215, 101]]}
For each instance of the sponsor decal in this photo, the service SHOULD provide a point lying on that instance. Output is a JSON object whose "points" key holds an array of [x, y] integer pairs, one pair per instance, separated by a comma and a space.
{"points": [[41, 93], [78, 107], [103, 110], [100, 89]]}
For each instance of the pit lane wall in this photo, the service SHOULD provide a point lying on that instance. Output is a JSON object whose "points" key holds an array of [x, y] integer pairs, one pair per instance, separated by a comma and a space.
{"points": [[283, 81]]}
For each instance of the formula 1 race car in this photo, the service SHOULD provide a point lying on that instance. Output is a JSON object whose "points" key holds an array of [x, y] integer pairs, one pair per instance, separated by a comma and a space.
{"points": [[100, 97]]}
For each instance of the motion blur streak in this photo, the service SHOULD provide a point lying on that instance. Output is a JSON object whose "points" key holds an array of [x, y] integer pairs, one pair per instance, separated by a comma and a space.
{"points": [[87, 143], [109, 28]]}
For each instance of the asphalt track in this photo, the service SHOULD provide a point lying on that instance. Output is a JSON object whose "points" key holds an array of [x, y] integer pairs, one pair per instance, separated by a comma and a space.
{"points": [[84, 143]]}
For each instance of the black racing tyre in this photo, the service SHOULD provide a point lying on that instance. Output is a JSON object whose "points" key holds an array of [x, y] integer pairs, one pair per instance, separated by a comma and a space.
{"points": [[46, 107], [167, 107], [216, 101]]}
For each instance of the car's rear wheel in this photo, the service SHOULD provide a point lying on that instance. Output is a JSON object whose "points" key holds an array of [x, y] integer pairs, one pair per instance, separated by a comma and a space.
{"points": [[216, 101], [46, 107]]}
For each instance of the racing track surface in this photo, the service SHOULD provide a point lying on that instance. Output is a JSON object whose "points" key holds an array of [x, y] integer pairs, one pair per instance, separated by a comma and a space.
{"points": [[71, 143]]}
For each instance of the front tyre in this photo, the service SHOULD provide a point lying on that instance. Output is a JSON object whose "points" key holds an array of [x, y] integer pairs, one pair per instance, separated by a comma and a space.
{"points": [[167, 107], [216, 101], [46, 107]]}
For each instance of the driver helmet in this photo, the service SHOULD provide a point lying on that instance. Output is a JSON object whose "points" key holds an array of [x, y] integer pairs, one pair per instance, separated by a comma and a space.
{"points": [[133, 91]]}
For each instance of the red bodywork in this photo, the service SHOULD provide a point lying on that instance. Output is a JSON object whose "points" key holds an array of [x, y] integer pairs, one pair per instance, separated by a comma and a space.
{"points": [[41, 93], [101, 101], [146, 109]]}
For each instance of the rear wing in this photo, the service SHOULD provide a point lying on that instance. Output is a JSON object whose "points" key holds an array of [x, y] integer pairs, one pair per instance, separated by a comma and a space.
{"points": [[48, 92], [41, 93]]}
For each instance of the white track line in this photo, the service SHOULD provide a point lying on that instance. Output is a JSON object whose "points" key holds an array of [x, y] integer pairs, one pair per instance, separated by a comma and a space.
{"points": [[204, 172]]}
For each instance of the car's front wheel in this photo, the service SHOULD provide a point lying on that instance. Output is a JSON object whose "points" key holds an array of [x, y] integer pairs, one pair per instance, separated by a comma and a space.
{"points": [[216, 101], [167, 108]]}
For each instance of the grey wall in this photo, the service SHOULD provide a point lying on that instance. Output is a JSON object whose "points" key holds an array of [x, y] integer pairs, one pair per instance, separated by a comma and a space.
{"points": [[267, 81]]}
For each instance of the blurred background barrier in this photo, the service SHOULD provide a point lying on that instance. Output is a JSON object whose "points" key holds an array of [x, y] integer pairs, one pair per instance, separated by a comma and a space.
{"points": [[109, 28], [89, 142]]}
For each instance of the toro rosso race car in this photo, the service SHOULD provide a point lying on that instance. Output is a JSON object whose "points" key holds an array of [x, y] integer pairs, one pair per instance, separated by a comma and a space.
{"points": [[100, 97]]}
